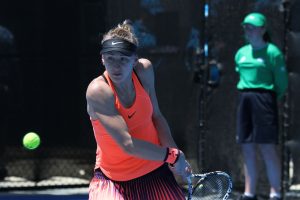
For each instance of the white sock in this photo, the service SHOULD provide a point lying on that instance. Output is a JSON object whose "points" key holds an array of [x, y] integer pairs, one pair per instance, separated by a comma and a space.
{"points": [[249, 194], [275, 194]]}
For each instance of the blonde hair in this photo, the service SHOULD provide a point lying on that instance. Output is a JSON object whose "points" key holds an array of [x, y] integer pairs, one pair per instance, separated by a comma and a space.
{"points": [[122, 31]]}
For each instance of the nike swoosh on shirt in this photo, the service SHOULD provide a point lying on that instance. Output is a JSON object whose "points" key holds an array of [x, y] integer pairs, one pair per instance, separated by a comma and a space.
{"points": [[130, 116]]}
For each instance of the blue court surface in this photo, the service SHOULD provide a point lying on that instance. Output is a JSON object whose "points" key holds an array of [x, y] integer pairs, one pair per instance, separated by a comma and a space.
{"points": [[82, 194], [51, 194], [43, 197]]}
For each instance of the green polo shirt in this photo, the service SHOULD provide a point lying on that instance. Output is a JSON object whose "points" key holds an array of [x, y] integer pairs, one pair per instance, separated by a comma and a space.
{"points": [[261, 68]]}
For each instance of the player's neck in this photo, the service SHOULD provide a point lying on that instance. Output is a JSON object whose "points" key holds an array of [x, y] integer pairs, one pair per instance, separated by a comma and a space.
{"points": [[126, 85]]}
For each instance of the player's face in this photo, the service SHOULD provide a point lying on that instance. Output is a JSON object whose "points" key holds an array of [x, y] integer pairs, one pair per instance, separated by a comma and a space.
{"points": [[118, 65], [253, 32]]}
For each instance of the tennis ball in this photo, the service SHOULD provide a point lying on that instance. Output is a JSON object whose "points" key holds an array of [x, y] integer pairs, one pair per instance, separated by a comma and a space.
{"points": [[31, 140]]}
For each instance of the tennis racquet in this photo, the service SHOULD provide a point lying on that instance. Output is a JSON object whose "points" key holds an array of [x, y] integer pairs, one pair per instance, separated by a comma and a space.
{"points": [[209, 186]]}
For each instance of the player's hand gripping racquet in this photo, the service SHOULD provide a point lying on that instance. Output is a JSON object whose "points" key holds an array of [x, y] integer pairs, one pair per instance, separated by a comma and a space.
{"points": [[209, 186]]}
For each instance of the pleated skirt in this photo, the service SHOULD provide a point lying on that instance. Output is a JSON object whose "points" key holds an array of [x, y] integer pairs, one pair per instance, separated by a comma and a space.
{"points": [[159, 184]]}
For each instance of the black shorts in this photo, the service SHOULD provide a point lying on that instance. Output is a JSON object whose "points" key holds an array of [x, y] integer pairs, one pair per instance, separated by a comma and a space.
{"points": [[257, 117]]}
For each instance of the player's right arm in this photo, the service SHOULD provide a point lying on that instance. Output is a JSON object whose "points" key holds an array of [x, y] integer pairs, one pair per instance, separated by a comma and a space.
{"points": [[100, 106]]}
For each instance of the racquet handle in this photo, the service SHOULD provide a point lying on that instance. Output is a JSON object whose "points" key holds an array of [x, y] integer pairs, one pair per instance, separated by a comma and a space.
{"points": [[189, 180]]}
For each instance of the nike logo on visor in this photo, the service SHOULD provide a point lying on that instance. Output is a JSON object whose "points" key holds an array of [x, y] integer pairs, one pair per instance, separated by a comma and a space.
{"points": [[114, 43]]}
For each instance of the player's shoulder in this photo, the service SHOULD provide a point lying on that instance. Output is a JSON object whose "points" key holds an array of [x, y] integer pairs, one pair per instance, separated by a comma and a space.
{"points": [[144, 67], [98, 88], [143, 64], [144, 71]]}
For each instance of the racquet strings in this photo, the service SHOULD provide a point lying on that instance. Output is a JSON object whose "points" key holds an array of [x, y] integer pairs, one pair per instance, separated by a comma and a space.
{"points": [[211, 187]]}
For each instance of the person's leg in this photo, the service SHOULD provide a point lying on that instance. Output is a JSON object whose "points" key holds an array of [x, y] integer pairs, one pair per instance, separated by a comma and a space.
{"points": [[273, 167], [250, 167], [245, 137]]}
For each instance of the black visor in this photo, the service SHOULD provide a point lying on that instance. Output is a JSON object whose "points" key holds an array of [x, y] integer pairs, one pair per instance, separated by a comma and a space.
{"points": [[120, 45]]}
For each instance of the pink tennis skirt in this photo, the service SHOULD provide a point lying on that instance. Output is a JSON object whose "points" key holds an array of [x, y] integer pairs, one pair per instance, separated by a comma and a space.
{"points": [[159, 184]]}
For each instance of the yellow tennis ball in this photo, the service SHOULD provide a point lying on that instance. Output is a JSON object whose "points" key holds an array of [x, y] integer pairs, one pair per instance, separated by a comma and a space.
{"points": [[31, 140]]}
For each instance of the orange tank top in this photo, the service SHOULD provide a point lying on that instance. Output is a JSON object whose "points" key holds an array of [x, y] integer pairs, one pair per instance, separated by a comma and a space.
{"points": [[110, 158]]}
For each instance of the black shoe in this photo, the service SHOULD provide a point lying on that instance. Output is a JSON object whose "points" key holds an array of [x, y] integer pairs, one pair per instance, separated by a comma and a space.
{"points": [[244, 197]]}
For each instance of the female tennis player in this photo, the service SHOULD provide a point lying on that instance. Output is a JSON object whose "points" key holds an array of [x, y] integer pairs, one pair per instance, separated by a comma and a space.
{"points": [[135, 148]]}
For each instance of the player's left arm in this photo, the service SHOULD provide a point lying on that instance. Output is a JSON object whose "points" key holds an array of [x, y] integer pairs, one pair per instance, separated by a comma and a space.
{"points": [[145, 72]]}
